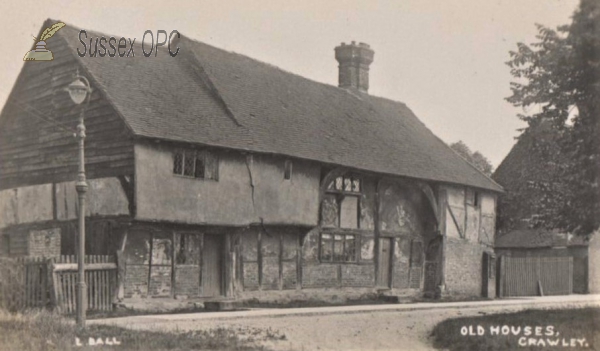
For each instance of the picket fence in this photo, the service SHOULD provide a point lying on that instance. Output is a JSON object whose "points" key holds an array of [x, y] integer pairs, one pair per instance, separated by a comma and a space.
{"points": [[52, 282]]}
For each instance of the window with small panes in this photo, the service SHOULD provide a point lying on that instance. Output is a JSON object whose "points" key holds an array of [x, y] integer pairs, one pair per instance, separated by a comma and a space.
{"points": [[200, 164]]}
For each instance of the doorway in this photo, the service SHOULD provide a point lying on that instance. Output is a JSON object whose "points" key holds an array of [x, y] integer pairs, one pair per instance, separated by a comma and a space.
{"points": [[433, 266], [212, 266]]}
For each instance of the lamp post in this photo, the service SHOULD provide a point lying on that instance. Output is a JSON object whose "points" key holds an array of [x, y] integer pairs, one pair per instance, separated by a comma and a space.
{"points": [[79, 90]]}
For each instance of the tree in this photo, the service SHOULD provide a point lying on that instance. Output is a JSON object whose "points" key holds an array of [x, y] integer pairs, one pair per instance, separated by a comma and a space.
{"points": [[475, 158], [531, 177], [558, 81]]}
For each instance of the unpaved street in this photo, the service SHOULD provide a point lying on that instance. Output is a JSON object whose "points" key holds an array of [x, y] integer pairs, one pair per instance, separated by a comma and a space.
{"points": [[364, 330]]}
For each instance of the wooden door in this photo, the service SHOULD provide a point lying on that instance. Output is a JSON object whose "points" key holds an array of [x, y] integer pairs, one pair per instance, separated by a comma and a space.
{"points": [[433, 266], [385, 260], [212, 266]]}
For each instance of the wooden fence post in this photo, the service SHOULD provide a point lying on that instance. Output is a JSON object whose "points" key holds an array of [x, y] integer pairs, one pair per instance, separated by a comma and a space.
{"points": [[502, 265], [49, 283], [174, 238], [570, 275], [120, 277]]}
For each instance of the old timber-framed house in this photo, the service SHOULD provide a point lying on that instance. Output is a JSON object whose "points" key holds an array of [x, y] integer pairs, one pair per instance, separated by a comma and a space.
{"points": [[213, 174]]}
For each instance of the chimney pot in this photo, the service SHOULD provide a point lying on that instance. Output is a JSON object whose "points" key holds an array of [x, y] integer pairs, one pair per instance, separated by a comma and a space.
{"points": [[354, 61]]}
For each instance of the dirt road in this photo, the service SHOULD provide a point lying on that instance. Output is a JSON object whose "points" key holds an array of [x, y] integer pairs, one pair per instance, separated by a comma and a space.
{"points": [[364, 330]]}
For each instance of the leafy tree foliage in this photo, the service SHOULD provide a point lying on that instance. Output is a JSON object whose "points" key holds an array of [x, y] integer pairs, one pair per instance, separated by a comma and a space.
{"points": [[475, 158], [531, 176], [558, 82]]}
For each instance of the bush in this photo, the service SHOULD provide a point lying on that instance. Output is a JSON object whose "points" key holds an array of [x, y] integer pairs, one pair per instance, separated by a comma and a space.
{"points": [[567, 324], [44, 330], [12, 285]]}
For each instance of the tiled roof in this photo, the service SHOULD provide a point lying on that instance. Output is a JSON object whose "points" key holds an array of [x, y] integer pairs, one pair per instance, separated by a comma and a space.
{"points": [[209, 96], [538, 238]]}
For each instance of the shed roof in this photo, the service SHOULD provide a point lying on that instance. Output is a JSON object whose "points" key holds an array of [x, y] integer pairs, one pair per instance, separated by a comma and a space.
{"points": [[209, 96], [538, 238]]}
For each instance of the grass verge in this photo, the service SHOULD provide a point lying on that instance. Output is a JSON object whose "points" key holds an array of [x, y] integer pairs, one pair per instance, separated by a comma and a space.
{"points": [[41, 330], [558, 329]]}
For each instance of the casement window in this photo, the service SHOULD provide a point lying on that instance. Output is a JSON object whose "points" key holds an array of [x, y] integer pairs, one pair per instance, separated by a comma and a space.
{"points": [[199, 164], [338, 248], [344, 195], [472, 197]]}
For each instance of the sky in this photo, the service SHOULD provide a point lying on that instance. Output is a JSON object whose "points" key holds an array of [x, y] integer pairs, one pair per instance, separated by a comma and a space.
{"points": [[444, 59]]}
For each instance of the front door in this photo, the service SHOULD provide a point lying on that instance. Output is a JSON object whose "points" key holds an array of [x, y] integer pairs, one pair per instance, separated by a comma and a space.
{"points": [[212, 263], [433, 266], [385, 260]]}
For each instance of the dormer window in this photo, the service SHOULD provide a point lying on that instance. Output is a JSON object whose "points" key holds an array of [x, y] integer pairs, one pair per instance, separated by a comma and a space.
{"points": [[199, 164]]}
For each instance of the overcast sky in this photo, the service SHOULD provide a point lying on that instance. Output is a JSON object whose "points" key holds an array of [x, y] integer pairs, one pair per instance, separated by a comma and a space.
{"points": [[444, 59]]}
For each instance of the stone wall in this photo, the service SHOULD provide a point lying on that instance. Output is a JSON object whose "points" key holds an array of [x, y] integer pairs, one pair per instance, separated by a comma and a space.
{"points": [[34, 240], [463, 267], [45, 242], [359, 275], [137, 264], [136, 280], [187, 280], [469, 227], [333, 295]]}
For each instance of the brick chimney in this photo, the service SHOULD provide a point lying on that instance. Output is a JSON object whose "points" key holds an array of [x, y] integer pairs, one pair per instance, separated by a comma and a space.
{"points": [[354, 63]]}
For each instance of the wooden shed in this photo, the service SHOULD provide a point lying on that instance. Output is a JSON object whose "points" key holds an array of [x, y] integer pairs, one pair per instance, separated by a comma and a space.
{"points": [[541, 262]]}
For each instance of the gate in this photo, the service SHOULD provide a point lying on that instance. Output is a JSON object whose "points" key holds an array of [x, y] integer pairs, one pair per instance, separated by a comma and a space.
{"points": [[39, 282], [100, 278], [533, 276]]}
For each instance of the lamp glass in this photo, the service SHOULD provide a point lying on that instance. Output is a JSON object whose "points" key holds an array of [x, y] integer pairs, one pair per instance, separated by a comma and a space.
{"points": [[78, 91]]}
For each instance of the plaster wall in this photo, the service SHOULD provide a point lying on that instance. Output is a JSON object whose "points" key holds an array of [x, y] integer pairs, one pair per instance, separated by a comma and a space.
{"points": [[249, 188], [38, 203], [487, 230], [105, 197], [455, 212]]}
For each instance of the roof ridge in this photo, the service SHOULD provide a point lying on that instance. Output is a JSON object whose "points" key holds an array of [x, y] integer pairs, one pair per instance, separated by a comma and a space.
{"points": [[330, 86], [197, 41]]}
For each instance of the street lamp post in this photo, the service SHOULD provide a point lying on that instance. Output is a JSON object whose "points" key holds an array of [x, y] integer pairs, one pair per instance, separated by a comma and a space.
{"points": [[79, 90]]}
